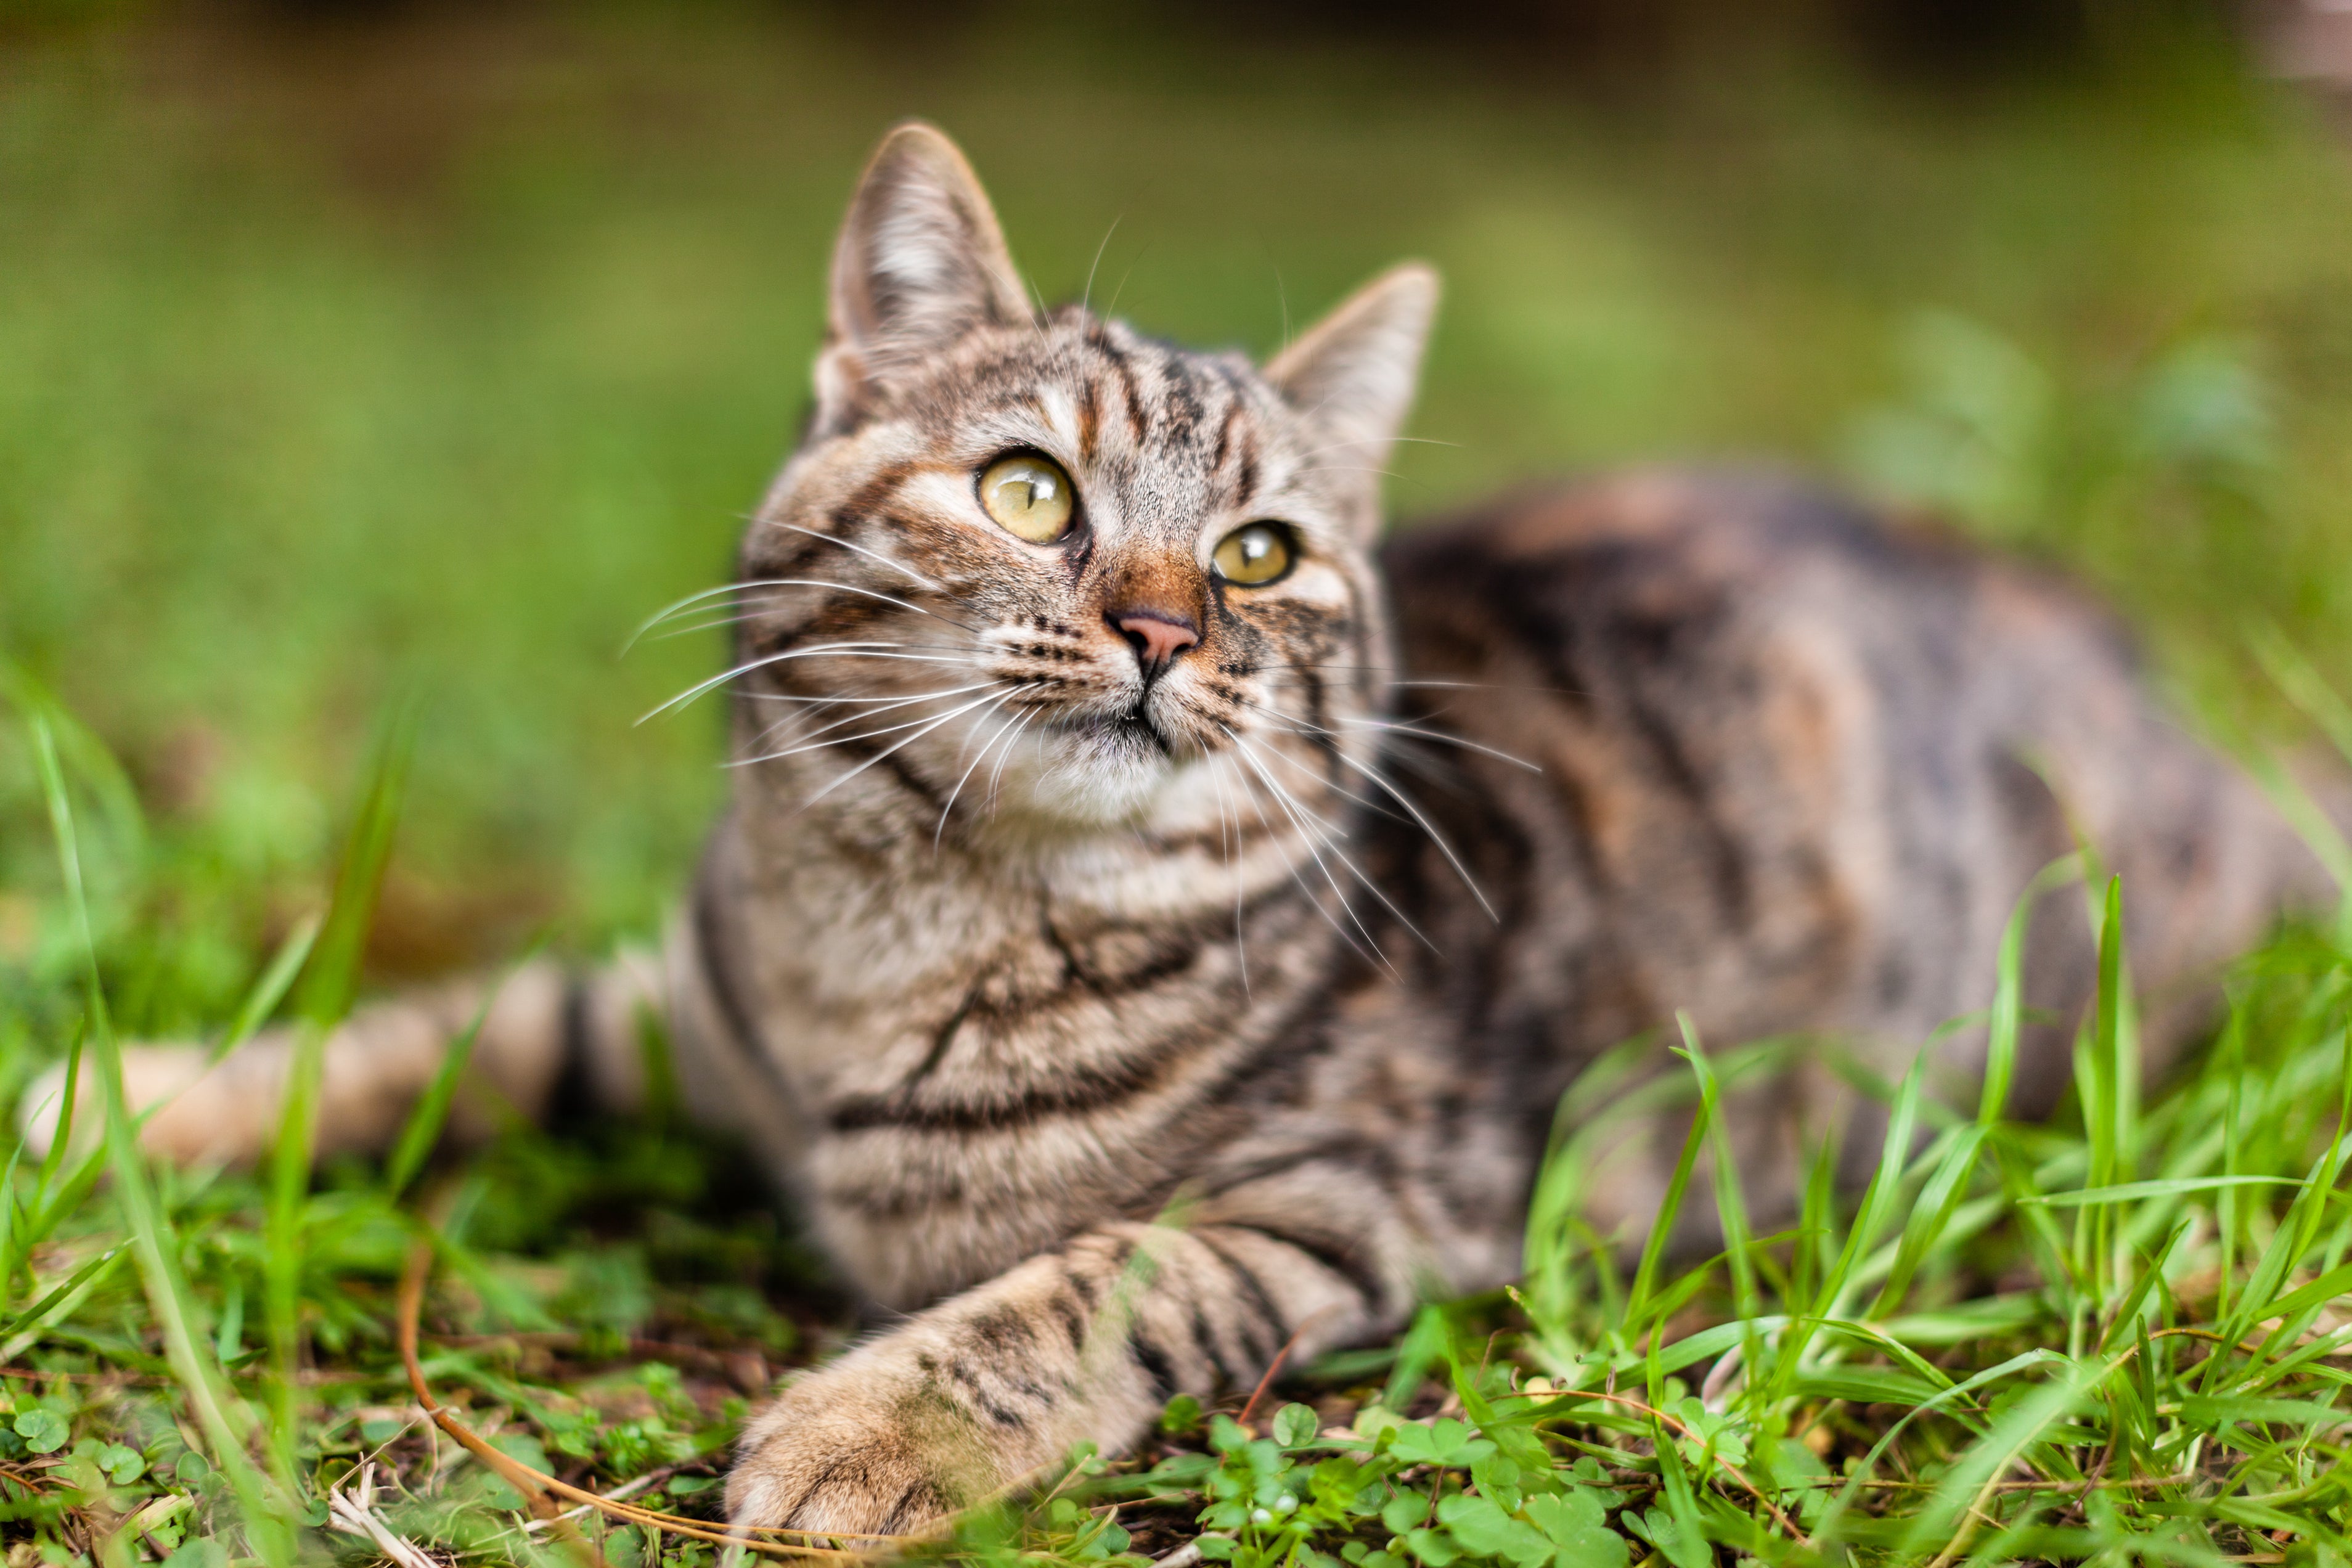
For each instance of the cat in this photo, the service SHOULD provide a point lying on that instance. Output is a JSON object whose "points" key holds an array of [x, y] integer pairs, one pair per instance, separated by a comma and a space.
{"points": [[1156, 920]]}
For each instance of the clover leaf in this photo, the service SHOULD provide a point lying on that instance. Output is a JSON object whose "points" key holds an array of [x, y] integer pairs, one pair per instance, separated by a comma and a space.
{"points": [[1498, 1476], [1480, 1524], [1683, 1549], [1445, 1442], [1709, 1435], [1294, 1425], [1433, 1547], [1405, 1511], [44, 1431], [1575, 1521]]}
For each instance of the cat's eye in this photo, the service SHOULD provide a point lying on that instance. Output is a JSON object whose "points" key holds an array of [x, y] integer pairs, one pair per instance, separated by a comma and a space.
{"points": [[1255, 554], [1029, 496]]}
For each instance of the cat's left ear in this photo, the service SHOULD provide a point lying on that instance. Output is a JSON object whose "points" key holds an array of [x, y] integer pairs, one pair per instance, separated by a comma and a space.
{"points": [[1354, 371], [920, 262]]}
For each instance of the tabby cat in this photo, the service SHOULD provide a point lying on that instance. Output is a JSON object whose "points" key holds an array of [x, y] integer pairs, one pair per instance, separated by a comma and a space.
{"points": [[1156, 920]]}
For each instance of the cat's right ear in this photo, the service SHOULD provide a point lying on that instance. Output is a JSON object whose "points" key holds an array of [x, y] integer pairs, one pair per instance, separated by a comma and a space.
{"points": [[920, 262], [1354, 371]]}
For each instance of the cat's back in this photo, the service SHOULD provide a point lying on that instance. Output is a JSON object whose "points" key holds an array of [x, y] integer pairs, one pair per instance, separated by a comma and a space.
{"points": [[1677, 559], [1788, 767]]}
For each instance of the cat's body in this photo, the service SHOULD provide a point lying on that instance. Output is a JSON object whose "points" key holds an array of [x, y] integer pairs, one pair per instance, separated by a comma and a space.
{"points": [[1133, 963]]}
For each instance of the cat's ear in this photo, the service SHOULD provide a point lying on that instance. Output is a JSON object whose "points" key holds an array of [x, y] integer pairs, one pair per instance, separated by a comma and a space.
{"points": [[1355, 370], [920, 262]]}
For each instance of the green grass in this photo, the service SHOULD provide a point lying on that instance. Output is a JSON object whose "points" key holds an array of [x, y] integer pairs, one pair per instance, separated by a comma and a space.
{"points": [[2115, 1335], [359, 393]]}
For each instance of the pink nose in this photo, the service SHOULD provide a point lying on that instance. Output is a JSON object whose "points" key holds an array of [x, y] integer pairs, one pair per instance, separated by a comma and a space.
{"points": [[1158, 638]]}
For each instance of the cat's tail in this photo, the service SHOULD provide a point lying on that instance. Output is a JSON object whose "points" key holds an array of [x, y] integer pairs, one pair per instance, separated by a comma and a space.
{"points": [[554, 1041]]}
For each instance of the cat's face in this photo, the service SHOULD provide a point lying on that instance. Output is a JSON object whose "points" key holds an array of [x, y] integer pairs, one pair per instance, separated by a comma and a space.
{"points": [[1043, 574]]}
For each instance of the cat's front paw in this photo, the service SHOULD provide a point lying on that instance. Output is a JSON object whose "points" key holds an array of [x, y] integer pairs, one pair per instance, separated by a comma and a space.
{"points": [[858, 1450]]}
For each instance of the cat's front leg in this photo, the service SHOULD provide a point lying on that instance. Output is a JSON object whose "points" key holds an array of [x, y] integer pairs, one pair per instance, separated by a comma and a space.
{"points": [[1082, 1345]]}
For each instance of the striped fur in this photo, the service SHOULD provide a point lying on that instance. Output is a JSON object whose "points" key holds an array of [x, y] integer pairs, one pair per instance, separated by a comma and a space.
{"points": [[1122, 1023]]}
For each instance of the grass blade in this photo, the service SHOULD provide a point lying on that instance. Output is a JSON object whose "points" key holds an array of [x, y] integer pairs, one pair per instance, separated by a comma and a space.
{"points": [[269, 989], [87, 1273], [2127, 1191], [67, 1097], [2009, 987], [200, 1378], [1641, 1300], [423, 1130], [327, 986], [1931, 1216], [1959, 1496]]}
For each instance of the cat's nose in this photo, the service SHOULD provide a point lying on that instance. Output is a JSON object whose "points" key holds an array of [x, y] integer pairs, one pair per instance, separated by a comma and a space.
{"points": [[1156, 635]]}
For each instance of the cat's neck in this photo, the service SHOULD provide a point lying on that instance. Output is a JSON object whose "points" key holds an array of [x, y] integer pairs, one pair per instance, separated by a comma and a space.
{"points": [[863, 944]]}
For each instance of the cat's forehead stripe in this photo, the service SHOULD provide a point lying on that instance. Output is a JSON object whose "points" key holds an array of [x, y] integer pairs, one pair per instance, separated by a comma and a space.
{"points": [[1171, 433], [1131, 398]]}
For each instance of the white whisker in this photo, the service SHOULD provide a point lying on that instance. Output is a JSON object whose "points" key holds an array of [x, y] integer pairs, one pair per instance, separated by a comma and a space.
{"points": [[869, 554], [743, 618], [1464, 686], [1316, 843], [691, 692], [1276, 671], [1332, 836], [779, 582], [890, 750], [1372, 952], [813, 743], [859, 701], [1342, 445], [816, 745], [1112, 308], [1440, 736], [1348, 468], [1300, 727], [1397, 794], [1003, 728], [996, 774], [686, 631], [820, 650], [877, 594], [1087, 295], [665, 612], [1229, 830], [1258, 811]]}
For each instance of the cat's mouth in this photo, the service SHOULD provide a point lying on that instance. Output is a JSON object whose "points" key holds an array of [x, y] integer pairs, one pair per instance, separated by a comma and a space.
{"points": [[1137, 724], [1131, 731]]}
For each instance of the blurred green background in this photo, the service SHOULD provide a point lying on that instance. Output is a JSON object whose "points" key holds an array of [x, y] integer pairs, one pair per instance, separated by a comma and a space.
{"points": [[349, 352]]}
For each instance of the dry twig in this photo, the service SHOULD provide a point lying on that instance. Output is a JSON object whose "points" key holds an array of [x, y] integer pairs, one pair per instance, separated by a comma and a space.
{"points": [[540, 1489], [356, 1516]]}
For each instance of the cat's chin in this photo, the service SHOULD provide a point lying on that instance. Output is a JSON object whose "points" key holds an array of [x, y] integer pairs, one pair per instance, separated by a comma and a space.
{"points": [[1091, 774]]}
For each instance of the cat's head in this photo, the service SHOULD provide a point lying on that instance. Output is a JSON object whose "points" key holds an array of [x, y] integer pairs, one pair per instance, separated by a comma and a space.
{"points": [[1041, 573]]}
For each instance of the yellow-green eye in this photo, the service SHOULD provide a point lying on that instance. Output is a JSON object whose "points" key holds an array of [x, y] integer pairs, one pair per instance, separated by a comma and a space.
{"points": [[1030, 496], [1255, 554]]}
